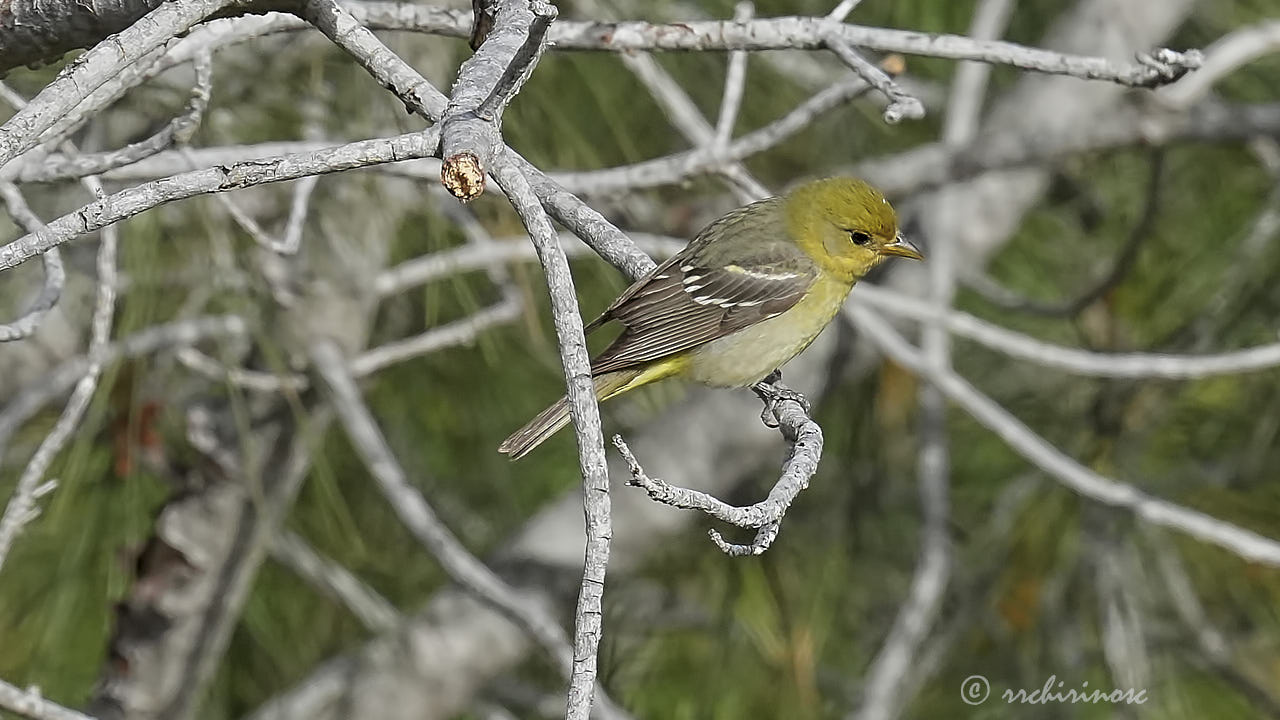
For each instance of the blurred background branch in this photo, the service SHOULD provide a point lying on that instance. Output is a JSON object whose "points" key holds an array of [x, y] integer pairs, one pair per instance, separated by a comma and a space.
{"points": [[196, 445]]}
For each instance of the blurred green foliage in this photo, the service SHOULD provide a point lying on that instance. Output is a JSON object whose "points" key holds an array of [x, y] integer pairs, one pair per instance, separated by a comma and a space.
{"points": [[790, 634]]}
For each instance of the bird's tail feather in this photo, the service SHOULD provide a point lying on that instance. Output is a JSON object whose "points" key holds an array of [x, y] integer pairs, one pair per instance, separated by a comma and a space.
{"points": [[555, 417]]}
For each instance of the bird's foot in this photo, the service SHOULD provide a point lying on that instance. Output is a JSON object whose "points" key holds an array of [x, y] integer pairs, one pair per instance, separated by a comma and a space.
{"points": [[771, 391]]}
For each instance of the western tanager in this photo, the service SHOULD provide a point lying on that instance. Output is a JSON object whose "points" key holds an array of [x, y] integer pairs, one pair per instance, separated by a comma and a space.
{"points": [[750, 292]]}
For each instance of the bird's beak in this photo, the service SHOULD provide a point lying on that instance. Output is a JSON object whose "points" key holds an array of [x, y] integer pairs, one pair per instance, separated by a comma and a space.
{"points": [[902, 248]]}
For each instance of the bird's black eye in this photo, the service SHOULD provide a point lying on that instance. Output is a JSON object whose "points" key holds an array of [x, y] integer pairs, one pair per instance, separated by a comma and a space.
{"points": [[859, 238]]}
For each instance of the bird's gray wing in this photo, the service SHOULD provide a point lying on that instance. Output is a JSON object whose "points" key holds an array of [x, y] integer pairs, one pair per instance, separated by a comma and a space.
{"points": [[696, 297]]}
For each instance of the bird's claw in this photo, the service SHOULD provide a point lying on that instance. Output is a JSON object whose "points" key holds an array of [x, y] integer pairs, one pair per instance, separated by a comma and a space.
{"points": [[771, 391]]}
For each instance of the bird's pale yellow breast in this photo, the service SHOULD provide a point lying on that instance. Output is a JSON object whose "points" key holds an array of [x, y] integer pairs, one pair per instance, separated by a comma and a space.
{"points": [[747, 356]]}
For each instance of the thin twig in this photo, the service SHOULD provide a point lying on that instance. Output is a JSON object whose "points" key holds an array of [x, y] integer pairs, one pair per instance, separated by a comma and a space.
{"points": [[30, 704], [841, 11], [677, 106], [373, 360], [687, 118], [459, 332], [291, 238], [675, 168], [21, 507], [1229, 52], [250, 380], [446, 263], [805, 439], [96, 67], [735, 81], [177, 131], [478, 237], [55, 275], [901, 105]]}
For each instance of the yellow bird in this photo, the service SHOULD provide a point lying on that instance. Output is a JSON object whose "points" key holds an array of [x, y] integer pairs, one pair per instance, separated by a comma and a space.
{"points": [[749, 293]]}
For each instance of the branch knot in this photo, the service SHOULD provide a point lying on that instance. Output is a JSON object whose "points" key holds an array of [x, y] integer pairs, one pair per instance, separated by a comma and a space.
{"points": [[463, 176]]}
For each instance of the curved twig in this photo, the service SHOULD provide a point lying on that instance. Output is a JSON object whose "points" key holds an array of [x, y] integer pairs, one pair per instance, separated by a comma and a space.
{"points": [[805, 438]]}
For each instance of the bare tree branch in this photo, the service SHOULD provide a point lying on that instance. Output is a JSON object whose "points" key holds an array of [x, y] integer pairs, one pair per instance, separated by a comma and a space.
{"points": [[374, 611], [1076, 360], [901, 105], [813, 33], [944, 211], [735, 81], [96, 67], [486, 83], [130, 202], [786, 33], [418, 94], [418, 516], [459, 332], [28, 703], [1226, 54], [32, 31], [588, 619], [688, 119], [805, 440], [55, 276], [179, 130], [1233, 538], [21, 507]]}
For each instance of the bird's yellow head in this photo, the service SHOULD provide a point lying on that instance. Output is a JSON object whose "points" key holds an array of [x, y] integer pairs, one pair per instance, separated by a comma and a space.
{"points": [[846, 225]]}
